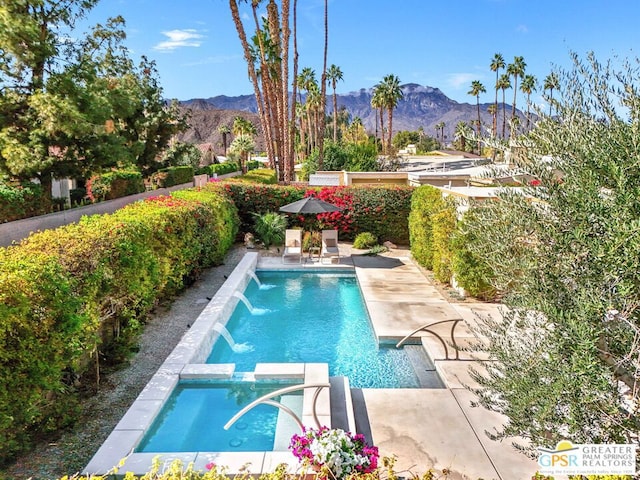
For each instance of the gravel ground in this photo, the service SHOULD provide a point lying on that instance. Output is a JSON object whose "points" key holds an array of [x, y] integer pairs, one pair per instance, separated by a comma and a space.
{"points": [[100, 414]]}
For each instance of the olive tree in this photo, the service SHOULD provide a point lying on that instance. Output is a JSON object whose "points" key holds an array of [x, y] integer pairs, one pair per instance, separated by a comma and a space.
{"points": [[566, 252]]}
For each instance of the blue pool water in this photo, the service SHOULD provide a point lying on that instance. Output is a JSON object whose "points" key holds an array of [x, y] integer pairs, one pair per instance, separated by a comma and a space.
{"points": [[192, 420], [312, 317]]}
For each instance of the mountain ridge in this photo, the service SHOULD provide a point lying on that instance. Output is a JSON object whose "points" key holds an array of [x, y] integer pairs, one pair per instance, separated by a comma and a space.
{"points": [[421, 106]]}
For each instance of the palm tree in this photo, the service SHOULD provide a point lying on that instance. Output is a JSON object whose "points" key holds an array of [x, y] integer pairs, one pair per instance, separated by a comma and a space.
{"points": [[242, 126], [528, 86], [551, 82], [460, 134], [391, 95], [307, 82], [268, 67], [504, 82], [224, 130], [243, 145], [306, 78], [377, 103], [476, 89], [496, 64], [440, 126], [517, 70], [334, 74], [313, 106]]}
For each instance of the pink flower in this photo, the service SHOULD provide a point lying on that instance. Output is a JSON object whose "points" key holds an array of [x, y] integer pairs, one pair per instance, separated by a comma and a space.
{"points": [[210, 465]]}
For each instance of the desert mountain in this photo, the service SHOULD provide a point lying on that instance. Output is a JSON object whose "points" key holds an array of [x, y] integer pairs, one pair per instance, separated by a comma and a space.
{"points": [[421, 106]]}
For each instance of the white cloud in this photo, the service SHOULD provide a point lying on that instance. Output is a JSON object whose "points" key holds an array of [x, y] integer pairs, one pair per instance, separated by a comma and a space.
{"points": [[522, 29], [457, 80], [180, 38], [214, 60]]}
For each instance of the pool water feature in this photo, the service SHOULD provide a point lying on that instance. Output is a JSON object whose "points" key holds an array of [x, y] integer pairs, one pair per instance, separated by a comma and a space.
{"points": [[313, 317], [193, 417]]}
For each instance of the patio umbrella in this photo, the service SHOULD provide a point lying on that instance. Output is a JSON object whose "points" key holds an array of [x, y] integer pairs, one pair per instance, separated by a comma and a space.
{"points": [[310, 205]]}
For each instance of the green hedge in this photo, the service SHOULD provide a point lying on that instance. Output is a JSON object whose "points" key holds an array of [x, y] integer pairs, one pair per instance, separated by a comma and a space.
{"points": [[168, 177], [470, 269], [219, 168], [116, 184], [426, 202], [254, 165], [443, 227], [381, 210], [262, 175], [66, 294], [22, 201]]}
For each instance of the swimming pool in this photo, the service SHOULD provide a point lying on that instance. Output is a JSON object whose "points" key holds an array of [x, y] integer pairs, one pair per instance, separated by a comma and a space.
{"points": [[187, 362], [296, 316], [193, 418]]}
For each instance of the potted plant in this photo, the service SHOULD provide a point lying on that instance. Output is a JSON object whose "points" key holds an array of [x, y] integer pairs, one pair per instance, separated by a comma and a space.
{"points": [[341, 453]]}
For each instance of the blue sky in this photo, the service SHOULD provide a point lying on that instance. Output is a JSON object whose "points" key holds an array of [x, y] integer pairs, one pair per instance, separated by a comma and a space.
{"points": [[445, 44]]}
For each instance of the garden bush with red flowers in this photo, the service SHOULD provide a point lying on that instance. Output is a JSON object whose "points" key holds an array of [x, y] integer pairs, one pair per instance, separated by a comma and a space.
{"points": [[381, 210]]}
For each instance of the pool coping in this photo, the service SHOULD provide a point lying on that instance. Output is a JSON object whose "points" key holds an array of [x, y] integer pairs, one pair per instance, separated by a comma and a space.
{"points": [[187, 361]]}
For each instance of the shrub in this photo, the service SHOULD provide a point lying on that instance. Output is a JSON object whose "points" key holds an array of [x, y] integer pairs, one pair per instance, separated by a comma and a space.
{"points": [[116, 184], [77, 195], [22, 201], [168, 177], [259, 198], [365, 240], [264, 175], [254, 165], [426, 202], [311, 239], [70, 291], [471, 270], [381, 210], [269, 228], [219, 168], [443, 225]]}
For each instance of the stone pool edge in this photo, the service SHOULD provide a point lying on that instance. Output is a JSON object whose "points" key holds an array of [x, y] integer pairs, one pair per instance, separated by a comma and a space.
{"points": [[117, 455]]}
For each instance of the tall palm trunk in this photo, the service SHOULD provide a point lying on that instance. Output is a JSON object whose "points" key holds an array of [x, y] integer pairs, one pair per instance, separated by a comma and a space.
{"points": [[335, 114], [382, 139], [390, 117], [513, 107], [504, 114], [323, 88], [478, 124], [233, 5], [287, 131], [292, 123]]}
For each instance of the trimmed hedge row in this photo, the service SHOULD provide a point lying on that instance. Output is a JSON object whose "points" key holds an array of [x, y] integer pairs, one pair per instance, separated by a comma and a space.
{"points": [[168, 177], [439, 242], [67, 294], [116, 184], [22, 201], [381, 210], [260, 175], [219, 168]]}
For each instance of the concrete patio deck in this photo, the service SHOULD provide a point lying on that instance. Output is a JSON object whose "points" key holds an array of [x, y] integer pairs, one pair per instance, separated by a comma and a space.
{"points": [[427, 428]]}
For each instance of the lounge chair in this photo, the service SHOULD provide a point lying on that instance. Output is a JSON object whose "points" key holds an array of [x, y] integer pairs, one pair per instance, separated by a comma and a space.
{"points": [[330, 248], [292, 245]]}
